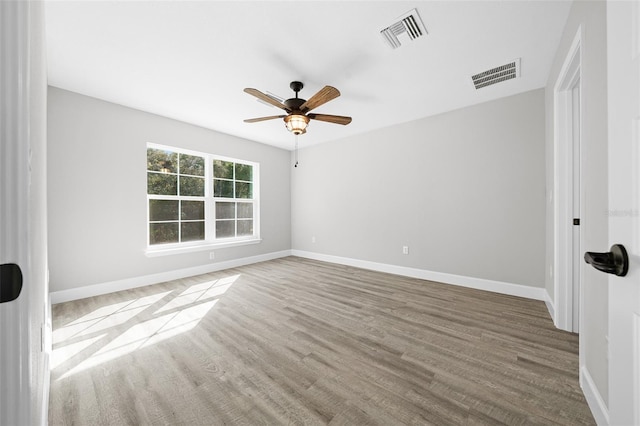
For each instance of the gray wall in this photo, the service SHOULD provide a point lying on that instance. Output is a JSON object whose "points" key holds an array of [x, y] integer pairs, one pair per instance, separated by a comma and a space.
{"points": [[464, 190], [97, 190], [591, 16]]}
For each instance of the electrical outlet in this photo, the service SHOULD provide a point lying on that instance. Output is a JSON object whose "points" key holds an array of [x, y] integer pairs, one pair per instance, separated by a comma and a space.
{"points": [[313, 239], [212, 255], [405, 249]]}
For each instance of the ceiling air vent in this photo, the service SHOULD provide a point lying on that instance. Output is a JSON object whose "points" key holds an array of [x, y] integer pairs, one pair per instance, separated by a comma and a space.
{"points": [[408, 25], [496, 75]]}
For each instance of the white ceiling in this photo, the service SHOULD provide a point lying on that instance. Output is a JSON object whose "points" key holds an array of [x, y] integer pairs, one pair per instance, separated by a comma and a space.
{"points": [[191, 60]]}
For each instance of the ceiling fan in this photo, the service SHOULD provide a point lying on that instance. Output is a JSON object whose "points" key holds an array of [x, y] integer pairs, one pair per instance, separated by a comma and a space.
{"points": [[297, 109]]}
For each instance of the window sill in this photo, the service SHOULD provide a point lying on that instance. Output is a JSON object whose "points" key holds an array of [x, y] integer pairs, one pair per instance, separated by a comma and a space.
{"points": [[156, 252]]}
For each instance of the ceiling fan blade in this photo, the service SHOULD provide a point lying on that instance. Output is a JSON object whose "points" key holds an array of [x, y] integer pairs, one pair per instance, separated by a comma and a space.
{"points": [[337, 119], [325, 94], [266, 98], [255, 120]]}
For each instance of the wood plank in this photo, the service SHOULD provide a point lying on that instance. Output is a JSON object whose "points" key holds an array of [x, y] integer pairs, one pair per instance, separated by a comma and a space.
{"points": [[305, 342]]}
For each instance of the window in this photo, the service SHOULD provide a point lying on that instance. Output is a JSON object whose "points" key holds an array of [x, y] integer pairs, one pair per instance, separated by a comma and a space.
{"points": [[233, 195], [196, 199]]}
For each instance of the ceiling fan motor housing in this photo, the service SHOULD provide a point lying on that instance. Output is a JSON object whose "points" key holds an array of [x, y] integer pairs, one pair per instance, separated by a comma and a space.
{"points": [[294, 104]]}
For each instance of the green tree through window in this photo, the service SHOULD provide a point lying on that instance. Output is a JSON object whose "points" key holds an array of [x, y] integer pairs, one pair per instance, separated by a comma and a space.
{"points": [[186, 208], [233, 184]]}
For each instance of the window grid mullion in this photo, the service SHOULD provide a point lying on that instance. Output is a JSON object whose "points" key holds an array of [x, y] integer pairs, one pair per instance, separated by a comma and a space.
{"points": [[179, 201], [209, 199], [210, 207]]}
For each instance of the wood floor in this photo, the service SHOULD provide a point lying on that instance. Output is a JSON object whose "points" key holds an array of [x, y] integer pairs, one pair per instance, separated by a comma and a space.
{"points": [[296, 341]]}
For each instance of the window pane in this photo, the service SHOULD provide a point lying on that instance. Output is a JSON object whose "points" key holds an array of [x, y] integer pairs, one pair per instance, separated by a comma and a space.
{"points": [[244, 190], [222, 169], [160, 233], [244, 172], [191, 165], [245, 210], [223, 188], [192, 231], [192, 210], [225, 228], [163, 210], [159, 183], [245, 227], [161, 161], [225, 210], [178, 204], [191, 186]]}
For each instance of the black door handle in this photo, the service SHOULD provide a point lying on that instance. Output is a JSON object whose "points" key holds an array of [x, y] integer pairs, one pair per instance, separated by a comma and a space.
{"points": [[615, 261], [10, 282]]}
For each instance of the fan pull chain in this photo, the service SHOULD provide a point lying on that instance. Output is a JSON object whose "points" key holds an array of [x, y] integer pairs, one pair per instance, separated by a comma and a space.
{"points": [[296, 165]]}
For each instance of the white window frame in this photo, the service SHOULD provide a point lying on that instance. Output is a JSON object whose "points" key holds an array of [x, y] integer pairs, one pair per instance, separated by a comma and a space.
{"points": [[210, 242]]}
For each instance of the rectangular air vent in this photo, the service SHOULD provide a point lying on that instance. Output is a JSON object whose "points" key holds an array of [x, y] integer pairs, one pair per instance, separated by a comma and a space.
{"points": [[496, 75], [409, 25]]}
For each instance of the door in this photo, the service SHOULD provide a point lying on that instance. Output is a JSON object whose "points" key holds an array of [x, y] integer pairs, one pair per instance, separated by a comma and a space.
{"points": [[24, 310], [576, 252], [14, 366], [567, 176], [623, 50]]}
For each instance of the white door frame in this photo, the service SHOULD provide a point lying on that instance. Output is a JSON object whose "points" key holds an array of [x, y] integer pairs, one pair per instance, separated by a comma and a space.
{"points": [[24, 321], [15, 362], [623, 87], [563, 171]]}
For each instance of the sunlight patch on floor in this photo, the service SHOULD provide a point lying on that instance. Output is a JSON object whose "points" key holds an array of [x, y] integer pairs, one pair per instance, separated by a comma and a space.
{"points": [[93, 333], [199, 292], [66, 352], [145, 334], [104, 318]]}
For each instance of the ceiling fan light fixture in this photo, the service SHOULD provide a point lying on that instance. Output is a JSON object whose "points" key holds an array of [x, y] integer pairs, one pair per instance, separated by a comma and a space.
{"points": [[296, 123]]}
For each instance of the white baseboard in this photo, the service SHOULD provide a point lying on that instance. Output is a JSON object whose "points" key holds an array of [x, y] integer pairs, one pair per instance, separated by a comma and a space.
{"points": [[459, 280], [535, 293], [594, 400], [128, 283], [550, 306]]}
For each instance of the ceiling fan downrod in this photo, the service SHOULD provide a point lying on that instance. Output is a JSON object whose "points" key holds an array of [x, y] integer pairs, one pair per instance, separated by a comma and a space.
{"points": [[296, 86]]}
